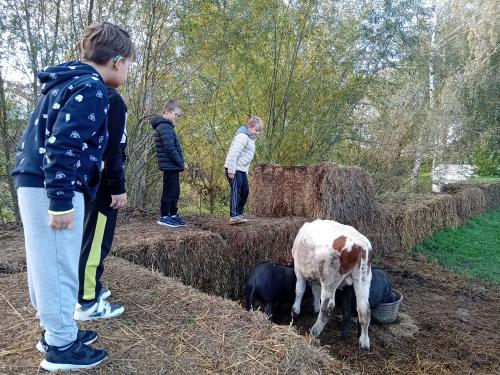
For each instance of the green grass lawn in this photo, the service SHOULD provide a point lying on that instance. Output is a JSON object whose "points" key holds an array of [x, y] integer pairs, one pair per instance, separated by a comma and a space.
{"points": [[473, 248]]}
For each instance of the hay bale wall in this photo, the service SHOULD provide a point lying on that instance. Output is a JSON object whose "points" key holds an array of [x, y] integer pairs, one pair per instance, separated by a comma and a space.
{"points": [[196, 257], [401, 222], [346, 194], [325, 190], [167, 328]]}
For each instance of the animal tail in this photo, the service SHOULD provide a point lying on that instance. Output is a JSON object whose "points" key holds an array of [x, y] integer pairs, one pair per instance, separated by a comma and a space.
{"points": [[250, 297]]}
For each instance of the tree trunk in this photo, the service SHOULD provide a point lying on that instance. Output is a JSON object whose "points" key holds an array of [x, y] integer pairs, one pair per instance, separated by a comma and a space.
{"points": [[89, 14], [6, 149], [56, 32], [432, 104]]}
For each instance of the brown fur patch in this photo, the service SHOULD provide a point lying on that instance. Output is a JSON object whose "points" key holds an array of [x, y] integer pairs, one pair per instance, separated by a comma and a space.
{"points": [[339, 243], [349, 259]]}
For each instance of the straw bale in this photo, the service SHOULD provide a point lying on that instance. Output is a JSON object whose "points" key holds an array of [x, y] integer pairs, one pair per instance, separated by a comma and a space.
{"points": [[197, 257], [491, 192], [261, 239], [325, 191], [12, 252], [492, 195], [402, 221], [382, 231], [470, 202], [167, 328]]}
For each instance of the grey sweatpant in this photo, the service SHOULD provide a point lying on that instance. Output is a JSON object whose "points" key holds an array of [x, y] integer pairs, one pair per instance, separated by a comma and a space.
{"points": [[52, 258]]}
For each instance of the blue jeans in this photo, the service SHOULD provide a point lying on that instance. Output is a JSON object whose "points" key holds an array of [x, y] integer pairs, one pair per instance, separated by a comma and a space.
{"points": [[52, 261], [239, 193]]}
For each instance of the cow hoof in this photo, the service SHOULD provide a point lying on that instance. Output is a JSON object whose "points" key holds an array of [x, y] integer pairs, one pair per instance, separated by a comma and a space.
{"points": [[364, 346]]}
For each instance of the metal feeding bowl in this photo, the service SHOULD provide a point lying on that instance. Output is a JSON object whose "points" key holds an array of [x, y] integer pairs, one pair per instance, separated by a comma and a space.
{"points": [[387, 313]]}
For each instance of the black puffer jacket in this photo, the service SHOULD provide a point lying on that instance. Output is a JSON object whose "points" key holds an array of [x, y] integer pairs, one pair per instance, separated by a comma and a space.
{"points": [[168, 148]]}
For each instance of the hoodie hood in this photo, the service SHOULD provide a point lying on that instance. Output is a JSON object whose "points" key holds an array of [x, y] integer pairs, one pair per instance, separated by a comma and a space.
{"points": [[157, 120], [243, 129], [54, 75]]}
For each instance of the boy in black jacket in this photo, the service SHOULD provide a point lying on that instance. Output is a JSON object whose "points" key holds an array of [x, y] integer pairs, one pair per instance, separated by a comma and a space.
{"points": [[58, 162], [170, 161], [100, 219]]}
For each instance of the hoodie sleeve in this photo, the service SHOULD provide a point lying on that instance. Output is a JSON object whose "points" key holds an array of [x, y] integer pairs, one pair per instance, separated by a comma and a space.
{"points": [[167, 136], [114, 174], [238, 144], [82, 115]]}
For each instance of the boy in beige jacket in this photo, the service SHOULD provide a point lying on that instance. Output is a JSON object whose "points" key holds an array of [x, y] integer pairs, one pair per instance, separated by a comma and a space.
{"points": [[237, 163]]}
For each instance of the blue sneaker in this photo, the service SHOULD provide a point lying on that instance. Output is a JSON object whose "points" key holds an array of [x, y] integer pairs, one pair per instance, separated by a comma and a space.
{"points": [[77, 356], [179, 220], [168, 221], [87, 337]]}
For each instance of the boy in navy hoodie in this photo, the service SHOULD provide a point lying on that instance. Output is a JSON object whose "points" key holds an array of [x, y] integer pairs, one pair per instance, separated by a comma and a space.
{"points": [[58, 162], [100, 219]]}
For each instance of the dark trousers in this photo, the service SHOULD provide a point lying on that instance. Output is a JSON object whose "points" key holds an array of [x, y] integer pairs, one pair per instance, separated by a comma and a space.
{"points": [[170, 194], [239, 193], [98, 232]]}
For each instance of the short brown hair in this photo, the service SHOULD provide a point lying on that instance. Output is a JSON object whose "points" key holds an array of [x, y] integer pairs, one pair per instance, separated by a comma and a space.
{"points": [[104, 41], [171, 106]]}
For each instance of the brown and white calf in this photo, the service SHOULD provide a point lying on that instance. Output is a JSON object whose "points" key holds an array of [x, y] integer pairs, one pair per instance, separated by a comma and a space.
{"points": [[330, 254]]}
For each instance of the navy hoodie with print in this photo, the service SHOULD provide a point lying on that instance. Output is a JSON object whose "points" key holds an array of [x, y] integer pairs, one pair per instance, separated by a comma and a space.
{"points": [[61, 149]]}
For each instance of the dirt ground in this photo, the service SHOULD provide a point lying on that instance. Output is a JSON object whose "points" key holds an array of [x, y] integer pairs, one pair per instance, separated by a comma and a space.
{"points": [[448, 323]]}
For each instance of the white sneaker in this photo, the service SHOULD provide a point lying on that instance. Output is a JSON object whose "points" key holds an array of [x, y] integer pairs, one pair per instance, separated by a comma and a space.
{"points": [[102, 309], [105, 293], [237, 220]]}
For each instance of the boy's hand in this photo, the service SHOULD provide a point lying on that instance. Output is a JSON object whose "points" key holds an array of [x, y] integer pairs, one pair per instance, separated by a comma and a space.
{"points": [[231, 175], [64, 221], [118, 201]]}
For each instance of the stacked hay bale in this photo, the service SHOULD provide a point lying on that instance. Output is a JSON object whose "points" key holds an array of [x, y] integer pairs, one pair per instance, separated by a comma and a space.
{"points": [[402, 221], [470, 200], [196, 257], [262, 239], [167, 328], [325, 190], [491, 194]]}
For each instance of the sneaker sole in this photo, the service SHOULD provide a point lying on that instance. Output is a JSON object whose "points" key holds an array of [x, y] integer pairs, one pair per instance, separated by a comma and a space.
{"points": [[89, 318], [168, 225], [51, 367], [41, 349], [236, 222]]}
